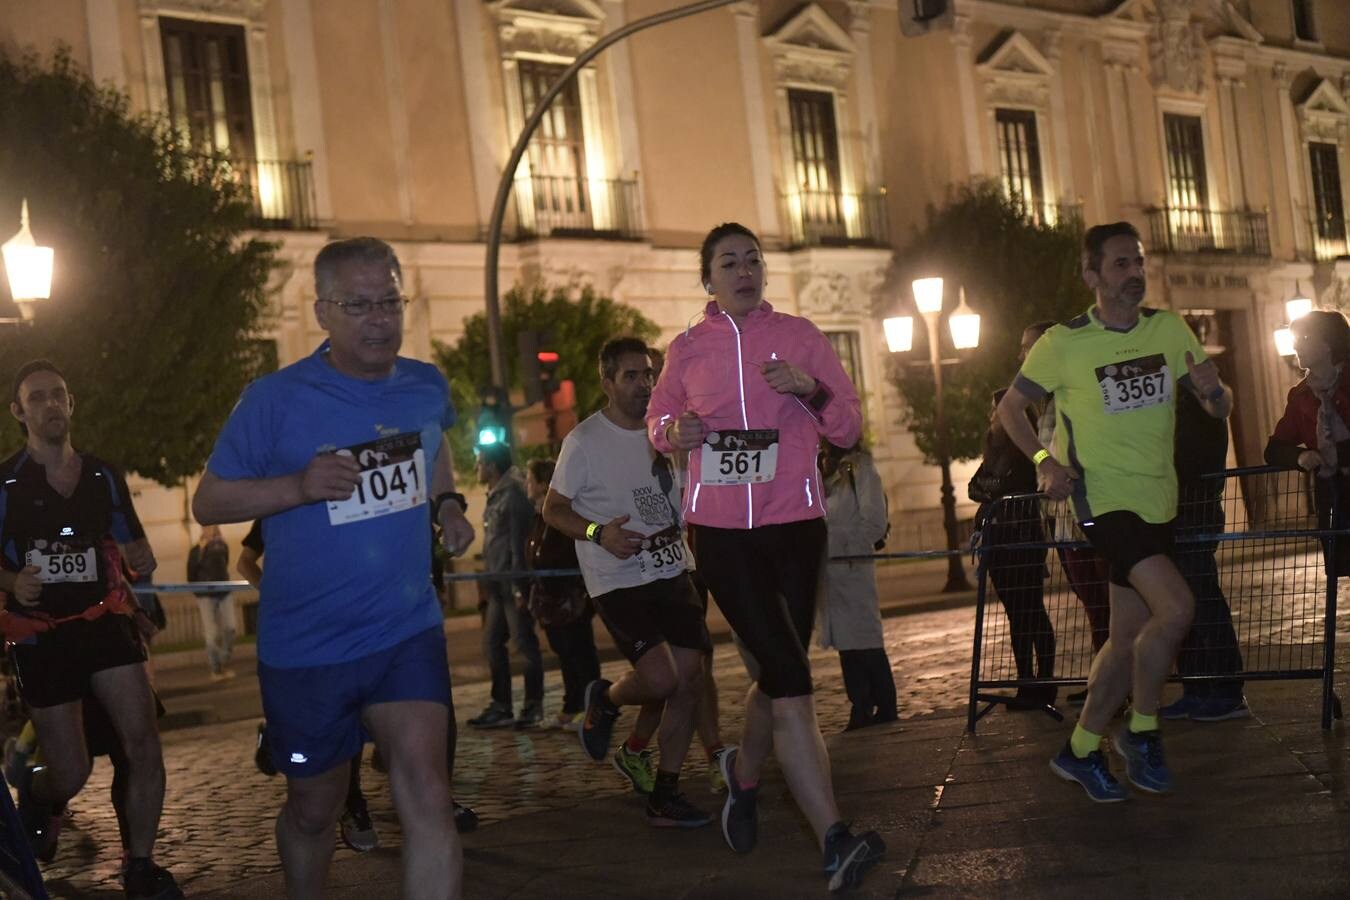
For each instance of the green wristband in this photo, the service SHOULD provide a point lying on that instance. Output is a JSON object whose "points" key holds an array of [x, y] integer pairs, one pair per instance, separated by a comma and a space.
{"points": [[1040, 456]]}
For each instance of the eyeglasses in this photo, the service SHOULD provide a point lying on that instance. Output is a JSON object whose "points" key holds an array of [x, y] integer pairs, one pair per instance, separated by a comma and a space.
{"points": [[360, 306]]}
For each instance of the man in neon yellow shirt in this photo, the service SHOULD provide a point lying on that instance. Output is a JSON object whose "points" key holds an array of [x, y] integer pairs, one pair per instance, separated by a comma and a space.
{"points": [[1114, 372]]}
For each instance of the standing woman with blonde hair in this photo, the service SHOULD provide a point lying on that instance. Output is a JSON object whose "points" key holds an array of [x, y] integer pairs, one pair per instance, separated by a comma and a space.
{"points": [[748, 393]]}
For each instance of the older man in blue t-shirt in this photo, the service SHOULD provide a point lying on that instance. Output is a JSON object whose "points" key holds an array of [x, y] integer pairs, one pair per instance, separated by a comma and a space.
{"points": [[342, 454]]}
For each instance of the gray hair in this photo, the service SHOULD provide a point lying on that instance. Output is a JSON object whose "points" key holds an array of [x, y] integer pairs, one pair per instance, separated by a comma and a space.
{"points": [[358, 249]]}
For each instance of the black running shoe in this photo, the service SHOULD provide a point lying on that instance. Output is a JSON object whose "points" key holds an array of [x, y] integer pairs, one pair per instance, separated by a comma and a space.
{"points": [[675, 812], [466, 819], [740, 818], [598, 726], [849, 856], [262, 753], [41, 822], [143, 880]]}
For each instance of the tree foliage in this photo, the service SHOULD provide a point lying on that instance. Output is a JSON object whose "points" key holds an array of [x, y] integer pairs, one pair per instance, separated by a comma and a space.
{"points": [[157, 291], [579, 322], [1015, 272]]}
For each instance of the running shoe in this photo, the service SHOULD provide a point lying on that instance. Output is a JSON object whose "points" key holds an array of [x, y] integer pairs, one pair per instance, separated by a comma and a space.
{"points": [[15, 760], [358, 833], [848, 856], [561, 720], [262, 752], [575, 724], [1183, 708], [531, 716], [494, 716], [41, 823], [466, 819], [143, 880], [1091, 773], [637, 767], [675, 812], [716, 782], [598, 726], [1144, 763], [1219, 709], [740, 818]]}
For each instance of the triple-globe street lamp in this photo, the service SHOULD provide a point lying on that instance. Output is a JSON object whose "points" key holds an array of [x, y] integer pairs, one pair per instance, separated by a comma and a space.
{"points": [[964, 325]]}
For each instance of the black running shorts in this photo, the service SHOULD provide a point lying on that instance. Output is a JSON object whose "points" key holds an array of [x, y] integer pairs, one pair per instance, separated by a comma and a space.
{"points": [[58, 666], [766, 580], [639, 618], [1124, 540]]}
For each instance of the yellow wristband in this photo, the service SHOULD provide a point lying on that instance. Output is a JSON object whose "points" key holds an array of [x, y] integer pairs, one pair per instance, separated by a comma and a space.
{"points": [[591, 531], [1040, 456]]}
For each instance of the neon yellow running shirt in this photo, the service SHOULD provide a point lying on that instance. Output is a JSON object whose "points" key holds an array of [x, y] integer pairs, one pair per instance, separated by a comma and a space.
{"points": [[1115, 400]]}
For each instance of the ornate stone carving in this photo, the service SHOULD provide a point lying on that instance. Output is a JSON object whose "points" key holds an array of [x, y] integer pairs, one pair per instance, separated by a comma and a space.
{"points": [[1016, 74], [828, 293], [1325, 115], [811, 48], [253, 10], [564, 30], [1176, 48]]}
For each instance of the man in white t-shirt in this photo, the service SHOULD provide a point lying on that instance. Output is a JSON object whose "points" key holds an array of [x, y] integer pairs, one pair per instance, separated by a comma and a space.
{"points": [[616, 497]]}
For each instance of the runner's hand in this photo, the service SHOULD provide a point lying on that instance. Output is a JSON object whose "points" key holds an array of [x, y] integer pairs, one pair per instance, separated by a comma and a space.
{"points": [[1311, 461], [456, 531], [27, 586], [619, 541], [1204, 377], [685, 433], [1054, 479], [140, 557], [785, 378], [329, 476]]}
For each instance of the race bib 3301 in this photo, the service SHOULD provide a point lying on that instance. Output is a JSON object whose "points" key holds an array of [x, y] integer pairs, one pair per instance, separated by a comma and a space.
{"points": [[393, 478], [1135, 384], [663, 554]]}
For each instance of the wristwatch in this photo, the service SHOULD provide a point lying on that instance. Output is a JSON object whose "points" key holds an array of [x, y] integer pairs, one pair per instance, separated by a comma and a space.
{"points": [[441, 498]]}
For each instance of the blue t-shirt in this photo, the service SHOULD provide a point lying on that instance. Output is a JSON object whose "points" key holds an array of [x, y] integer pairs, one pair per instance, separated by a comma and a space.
{"points": [[342, 583]]}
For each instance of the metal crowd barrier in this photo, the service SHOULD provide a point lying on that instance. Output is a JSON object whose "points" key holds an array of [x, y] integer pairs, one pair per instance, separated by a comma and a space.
{"points": [[1250, 546]]}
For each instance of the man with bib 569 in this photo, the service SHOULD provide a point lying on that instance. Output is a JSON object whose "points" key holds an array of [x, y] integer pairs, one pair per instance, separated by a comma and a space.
{"points": [[342, 455], [1114, 372]]}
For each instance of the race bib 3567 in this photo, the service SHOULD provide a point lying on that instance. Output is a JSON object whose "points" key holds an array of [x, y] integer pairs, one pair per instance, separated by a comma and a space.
{"points": [[1135, 384]]}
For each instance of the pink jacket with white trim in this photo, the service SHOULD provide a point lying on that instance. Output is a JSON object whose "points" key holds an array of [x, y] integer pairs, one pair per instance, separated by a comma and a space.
{"points": [[713, 369]]}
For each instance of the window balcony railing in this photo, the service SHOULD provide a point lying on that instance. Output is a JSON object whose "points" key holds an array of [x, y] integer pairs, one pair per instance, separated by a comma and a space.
{"points": [[836, 219], [1051, 214], [280, 192], [564, 206], [1178, 229], [1330, 238]]}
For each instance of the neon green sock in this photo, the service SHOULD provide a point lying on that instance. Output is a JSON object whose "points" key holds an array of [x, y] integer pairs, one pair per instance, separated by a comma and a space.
{"points": [[1082, 742], [1140, 722]]}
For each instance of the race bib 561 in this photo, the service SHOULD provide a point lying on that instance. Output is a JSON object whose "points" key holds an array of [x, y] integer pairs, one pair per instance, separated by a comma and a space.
{"points": [[1135, 384], [393, 478], [739, 457]]}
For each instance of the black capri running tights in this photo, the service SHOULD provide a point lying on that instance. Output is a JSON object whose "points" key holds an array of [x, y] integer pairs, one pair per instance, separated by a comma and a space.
{"points": [[765, 581]]}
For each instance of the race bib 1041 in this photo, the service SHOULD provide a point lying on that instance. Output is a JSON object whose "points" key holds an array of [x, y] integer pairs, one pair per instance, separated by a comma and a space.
{"points": [[1135, 384], [63, 561], [739, 457], [393, 478], [663, 554]]}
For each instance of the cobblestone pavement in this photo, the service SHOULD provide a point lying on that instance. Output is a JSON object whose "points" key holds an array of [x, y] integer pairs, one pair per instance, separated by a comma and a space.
{"points": [[218, 812]]}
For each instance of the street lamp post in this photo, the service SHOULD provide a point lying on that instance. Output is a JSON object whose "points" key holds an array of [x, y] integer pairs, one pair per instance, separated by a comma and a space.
{"points": [[965, 328], [28, 268]]}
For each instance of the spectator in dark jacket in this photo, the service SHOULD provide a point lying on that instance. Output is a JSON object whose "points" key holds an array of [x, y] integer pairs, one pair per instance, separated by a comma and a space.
{"points": [[507, 516], [209, 560]]}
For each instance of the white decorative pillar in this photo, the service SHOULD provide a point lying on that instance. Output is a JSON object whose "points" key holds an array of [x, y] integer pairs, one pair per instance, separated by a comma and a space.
{"points": [[965, 85], [1231, 70], [398, 109], [152, 54], [757, 121], [602, 214], [860, 30], [484, 152], [620, 69], [105, 44], [306, 111], [1059, 117], [1288, 127], [1121, 59]]}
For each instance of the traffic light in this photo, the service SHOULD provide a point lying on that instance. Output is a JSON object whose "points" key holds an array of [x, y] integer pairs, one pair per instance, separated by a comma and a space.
{"points": [[494, 418], [538, 365]]}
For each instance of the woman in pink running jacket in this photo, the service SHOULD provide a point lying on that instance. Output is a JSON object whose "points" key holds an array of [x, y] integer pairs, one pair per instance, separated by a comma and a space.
{"points": [[748, 393]]}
